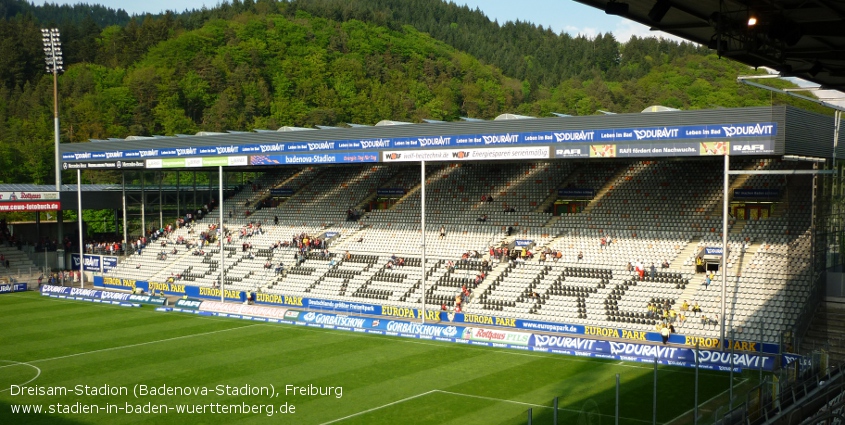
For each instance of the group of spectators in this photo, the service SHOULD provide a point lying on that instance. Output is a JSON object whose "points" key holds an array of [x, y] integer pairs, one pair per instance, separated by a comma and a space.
{"points": [[668, 317], [461, 299], [306, 243], [638, 269], [395, 261], [59, 278], [110, 248]]}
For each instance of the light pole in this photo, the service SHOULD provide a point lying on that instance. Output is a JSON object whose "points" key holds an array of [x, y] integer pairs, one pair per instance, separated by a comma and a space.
{"points": [[53, 58]]}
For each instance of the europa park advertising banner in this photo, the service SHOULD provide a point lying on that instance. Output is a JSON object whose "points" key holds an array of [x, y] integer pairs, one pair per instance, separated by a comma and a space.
{"points": [[400, 313]]}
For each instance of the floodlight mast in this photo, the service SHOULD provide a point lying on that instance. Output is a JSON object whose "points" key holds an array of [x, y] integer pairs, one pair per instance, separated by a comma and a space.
{"points": [[55, 66]]}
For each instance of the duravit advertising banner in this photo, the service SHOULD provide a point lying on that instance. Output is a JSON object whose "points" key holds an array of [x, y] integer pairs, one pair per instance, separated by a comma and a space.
{"points": [[95, 294], [398, 313], [8, 288], [91, 263], [497, 338], [269, 153]]}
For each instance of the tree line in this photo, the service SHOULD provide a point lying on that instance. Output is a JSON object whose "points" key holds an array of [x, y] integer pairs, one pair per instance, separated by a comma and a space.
{"points": [[264, 64]]}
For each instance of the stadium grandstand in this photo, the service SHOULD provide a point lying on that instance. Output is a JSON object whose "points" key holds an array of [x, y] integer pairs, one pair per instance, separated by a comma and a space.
{"points": [[653, 188], [604, 226]]}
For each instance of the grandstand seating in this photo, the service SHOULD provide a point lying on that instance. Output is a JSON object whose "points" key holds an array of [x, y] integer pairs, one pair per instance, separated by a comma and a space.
{"points": [[654, 211]]}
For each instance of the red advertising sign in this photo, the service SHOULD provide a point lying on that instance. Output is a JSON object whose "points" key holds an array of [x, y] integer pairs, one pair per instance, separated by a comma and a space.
{"points": [[30, 206]]}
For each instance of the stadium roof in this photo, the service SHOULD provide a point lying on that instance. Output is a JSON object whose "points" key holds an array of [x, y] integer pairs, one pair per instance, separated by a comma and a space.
{"points": [[798, 38], [795, 132]]}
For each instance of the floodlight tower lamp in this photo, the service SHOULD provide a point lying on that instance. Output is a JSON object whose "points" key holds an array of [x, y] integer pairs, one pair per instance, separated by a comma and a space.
{"points": [[55, 66]]}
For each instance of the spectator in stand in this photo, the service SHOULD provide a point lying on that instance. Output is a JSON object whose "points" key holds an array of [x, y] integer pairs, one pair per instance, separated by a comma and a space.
{"points": [[685, 306], [664, 333], [665, 264], [653, 271], [442, 232], [603, 243], [706, 281], [580, 256], [696, 309]]}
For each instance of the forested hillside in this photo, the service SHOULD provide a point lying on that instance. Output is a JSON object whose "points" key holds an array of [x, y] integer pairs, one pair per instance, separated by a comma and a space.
{"points": [[266, 64]]}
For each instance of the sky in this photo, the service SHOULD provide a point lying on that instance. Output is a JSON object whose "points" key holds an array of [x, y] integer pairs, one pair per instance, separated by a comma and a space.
{"points": [[559, 15]]}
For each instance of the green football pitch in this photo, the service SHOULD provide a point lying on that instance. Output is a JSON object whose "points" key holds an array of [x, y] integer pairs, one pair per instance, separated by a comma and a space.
{"points": [[86, 363]]}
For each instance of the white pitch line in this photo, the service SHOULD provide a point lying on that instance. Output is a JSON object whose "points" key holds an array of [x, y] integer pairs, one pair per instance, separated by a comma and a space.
{"points": [[379, 407], [25, 364], [135, 345], [497, 399]]}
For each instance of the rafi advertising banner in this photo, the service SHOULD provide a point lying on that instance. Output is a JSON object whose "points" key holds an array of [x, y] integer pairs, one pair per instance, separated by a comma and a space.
{"points": [[188, 304], [146, 299]]}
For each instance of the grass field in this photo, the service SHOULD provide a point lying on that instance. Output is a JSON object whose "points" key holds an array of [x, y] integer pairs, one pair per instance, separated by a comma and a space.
{"points": [[49, 344]]}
